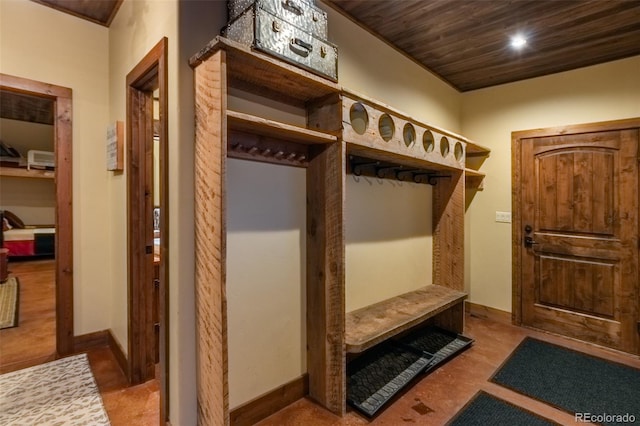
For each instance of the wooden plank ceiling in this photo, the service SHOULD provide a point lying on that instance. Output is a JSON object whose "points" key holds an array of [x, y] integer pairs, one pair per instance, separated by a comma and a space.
{"points": [[466, 43], [98, 11], [23, 107]]}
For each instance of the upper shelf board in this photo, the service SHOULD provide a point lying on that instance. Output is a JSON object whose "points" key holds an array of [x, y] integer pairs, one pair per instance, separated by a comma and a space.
{"points": [[257, 70], [262, 126], [477, 150]]}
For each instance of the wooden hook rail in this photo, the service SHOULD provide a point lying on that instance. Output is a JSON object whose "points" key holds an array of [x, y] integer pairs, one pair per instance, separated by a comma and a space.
{"points": [[384, 170], [269, 152]]}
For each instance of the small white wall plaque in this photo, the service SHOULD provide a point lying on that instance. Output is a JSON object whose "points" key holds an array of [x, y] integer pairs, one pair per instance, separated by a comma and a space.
{"points": [[115, 144]]}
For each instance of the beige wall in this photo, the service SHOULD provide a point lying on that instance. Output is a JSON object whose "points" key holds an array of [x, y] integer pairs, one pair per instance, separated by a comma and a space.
{"points": [[389, 239], [38, 43], [604, 92], [24, 135], [32, 200], [266, 277]]}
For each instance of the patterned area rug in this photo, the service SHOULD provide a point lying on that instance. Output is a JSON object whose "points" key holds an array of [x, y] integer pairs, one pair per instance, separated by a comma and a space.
{"points": [[61, 392], [9, 292]]}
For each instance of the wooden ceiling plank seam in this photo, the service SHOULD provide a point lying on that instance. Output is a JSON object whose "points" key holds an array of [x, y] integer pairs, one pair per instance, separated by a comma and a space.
{"points": [[456, 49]]}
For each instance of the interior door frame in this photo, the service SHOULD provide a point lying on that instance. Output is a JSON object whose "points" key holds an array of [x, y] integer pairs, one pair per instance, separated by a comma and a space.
{"points": [[516, 198], [149, 74], [63, 136]]}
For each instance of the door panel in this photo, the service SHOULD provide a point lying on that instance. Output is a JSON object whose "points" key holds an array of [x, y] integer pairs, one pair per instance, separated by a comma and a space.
{"points": [[579, 196]]}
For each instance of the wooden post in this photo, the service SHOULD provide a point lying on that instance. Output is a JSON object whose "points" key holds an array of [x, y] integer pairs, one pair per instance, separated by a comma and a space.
{"points": [[448, 232], [448, 243], [325, 276], [210, 241]]}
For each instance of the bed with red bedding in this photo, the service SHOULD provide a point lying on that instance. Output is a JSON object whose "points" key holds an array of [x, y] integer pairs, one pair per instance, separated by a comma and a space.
{"points": [[23, 240]]}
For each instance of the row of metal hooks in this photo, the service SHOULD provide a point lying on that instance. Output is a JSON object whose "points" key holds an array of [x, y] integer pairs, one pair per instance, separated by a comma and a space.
{"points": [[268, 152], [399, 172]]}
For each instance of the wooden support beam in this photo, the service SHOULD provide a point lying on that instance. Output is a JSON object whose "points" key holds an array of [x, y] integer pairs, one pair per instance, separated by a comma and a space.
{"points": [[210, 242], [325, 276]]}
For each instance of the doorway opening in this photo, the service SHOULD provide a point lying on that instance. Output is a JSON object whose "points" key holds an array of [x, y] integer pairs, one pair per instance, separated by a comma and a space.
{"points": [[147, 217], [53, 105]]}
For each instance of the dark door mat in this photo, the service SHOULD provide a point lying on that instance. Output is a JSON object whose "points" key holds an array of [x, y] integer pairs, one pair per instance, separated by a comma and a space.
{"points": [[380, 373], [485, 409], [439, 344], [572, 381], [375, 377]]}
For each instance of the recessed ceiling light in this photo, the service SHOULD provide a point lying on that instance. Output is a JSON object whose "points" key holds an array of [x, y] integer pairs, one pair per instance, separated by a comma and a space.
{"points": [[518, 41]]}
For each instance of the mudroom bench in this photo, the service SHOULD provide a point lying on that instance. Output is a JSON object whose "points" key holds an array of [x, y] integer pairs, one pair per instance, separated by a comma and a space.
{"points": [[368, 326]]}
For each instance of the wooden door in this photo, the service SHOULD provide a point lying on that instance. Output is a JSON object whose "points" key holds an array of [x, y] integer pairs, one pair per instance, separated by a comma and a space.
{"points": [[579, 236]]}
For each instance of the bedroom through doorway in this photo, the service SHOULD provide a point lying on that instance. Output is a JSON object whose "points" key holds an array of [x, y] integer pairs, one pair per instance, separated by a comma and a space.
{"points": [[35, 203]]}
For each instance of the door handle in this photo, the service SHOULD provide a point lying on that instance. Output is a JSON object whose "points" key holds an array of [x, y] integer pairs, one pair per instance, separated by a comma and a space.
{"points": [[529, 241]]}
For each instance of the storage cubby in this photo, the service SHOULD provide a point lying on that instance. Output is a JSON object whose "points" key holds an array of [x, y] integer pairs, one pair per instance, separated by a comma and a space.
{"points": [[343, 131], [475, 155]]}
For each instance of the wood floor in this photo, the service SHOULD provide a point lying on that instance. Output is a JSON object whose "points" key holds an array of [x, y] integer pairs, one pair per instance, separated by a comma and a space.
{"points": [[33, 342], [431, 401], [436, 398]]}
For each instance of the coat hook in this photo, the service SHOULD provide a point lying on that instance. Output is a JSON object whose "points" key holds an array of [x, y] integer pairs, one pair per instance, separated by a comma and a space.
{"points": [[419, 178], [401, 175], [253, 150], [433, 179], [302, 157], [291, 156], [382, 171], [357, 168], [278, 154], [266, 152]]}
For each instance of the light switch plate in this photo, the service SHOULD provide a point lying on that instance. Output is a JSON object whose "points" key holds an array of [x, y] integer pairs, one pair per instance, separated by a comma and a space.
{"points": [[503, 217]]}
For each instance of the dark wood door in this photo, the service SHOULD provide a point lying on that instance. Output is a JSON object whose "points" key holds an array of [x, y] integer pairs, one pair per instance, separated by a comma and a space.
{"points": [[579, 215]]}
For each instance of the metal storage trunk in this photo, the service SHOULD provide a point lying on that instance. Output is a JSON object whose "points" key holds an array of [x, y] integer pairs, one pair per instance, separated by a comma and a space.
{"points": [[301, 13], [264, 31]]}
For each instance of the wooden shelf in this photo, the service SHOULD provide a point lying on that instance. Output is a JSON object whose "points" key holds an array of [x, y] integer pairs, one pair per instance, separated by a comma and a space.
{"points": [[258, 139], [24, 173], [474, 173], [477, 150], [273, 129], [370, 325], [474, 179], [264, 74]]}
